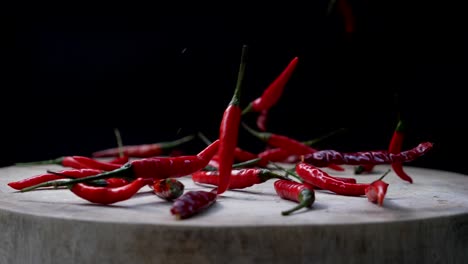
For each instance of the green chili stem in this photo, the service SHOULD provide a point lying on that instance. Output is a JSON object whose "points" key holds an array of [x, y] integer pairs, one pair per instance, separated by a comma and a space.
{"points": [[385, 174], [264, 136], [323, 137], [204, 138], [119, 142], [174, 143], [306, 200]]}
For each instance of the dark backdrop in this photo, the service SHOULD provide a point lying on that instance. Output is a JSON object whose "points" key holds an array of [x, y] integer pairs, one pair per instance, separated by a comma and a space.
{"points": [[158, 74]]}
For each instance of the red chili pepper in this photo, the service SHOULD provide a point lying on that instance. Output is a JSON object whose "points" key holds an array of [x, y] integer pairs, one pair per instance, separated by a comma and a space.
{"points": [[120, 160], [324, 158], [66, 161], [229, 129], [321, 179], [46, 177], [365, 168], [153, 168], [168, 189], [95, 164], [240, 155], [395, 147], [376, 191], [143, 150], [239, 179], [273, 92], [192, 202], [290, 145], [107, 195], [298, 192]]}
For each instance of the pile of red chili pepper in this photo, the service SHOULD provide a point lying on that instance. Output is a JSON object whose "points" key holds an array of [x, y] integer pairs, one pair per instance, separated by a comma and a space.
{"points": [[224, 166]]}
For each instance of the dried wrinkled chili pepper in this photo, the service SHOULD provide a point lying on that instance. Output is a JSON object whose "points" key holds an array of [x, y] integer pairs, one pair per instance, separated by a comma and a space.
{"points": [[153, 168], [229, 129], [109, 195], [324, 158], [239, 179], [395, 146], [301, 193], [193, 202], [377, 189], [143, 150], [168, 189], [321, 179], [288, 144]]}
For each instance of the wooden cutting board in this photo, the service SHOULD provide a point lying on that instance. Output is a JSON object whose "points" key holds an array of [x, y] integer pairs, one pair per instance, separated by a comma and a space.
{"points": [[423, 222]]}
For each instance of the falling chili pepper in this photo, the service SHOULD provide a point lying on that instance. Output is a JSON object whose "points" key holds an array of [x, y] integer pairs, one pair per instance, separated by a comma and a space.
{"points": [[317, 177], [229, 129], [46, 177], [240, 155], [324, 158], [377, 189], [239, 179], [192, 202], [273, 92], [168, 189], [109, 195], [288, 144], [153, 168], [395, 147], [143, 150], [65, 161], [301, 193]]}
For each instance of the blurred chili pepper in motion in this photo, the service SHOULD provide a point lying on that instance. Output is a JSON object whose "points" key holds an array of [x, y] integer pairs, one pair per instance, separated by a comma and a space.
{"points": [[229, 129], [395, 146]]}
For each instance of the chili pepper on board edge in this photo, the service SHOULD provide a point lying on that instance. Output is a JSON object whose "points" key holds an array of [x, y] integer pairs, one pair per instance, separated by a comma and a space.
{"points": [[143, 150], [240, 178], [109, 195], [376, 191], [290, 145], [317, 177], [323, 158], [154, 168], [168, 189], [229, 129], [395, 147], [302, 193], [192, 202]]}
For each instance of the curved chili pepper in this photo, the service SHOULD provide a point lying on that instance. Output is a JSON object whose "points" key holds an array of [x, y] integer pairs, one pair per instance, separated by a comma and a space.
{"points": [[46, 177], [395, 147], [240, 155], [376, 190], [192, 202], [298, 192], [273, 92], [229, 129], [324, 158], [168, 189], [240, 178], [288, 144], [143, 150], [95, 164], [321, 179], [65, 161], [153, 168], [107, 195]]}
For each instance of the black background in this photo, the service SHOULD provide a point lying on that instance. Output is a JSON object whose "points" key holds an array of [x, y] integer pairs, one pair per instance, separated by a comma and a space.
{"points": [[160, 73]]}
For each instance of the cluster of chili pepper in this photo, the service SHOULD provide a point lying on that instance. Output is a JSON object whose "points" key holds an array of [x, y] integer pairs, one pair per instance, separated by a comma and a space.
{"points": [[117, 180]]}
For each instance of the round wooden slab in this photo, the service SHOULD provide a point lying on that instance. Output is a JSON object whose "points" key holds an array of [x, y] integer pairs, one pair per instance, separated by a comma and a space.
{"points": [[423, 222]]}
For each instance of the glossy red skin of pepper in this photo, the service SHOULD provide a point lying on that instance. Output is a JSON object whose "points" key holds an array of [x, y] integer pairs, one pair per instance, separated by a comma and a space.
{"points": [[116, 182], [324, 158], [343, 179], [395, 146], [321, 179], [262, 120], [168, 189], [273, 92], [143, 150], [272, 155], [301, 193], [91, 163], [240, 178], [376, 191], [229, 130], [41, 178], [120, 160], [107, 195], [192, 202]]}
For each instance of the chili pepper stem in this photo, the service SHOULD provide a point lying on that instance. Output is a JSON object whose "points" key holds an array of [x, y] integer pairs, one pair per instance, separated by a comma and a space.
{"points": [[323, 137], [261, 135], [122, 172], [247, 109], [119, 142], [57, 161], [204, 138], [294, 175], [306, 200], [175, 143], [385, 174]]}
